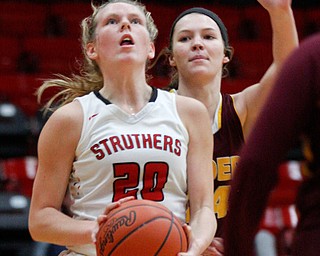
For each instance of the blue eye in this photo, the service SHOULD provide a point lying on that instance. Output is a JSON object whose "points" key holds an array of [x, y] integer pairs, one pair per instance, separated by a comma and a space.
{"points": [[184, 39], [111, 21], [135, 21], [209, 37]]}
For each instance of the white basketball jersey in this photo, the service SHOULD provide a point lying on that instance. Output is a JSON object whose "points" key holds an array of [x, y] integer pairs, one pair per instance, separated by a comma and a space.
{"points": [[119, 155]]}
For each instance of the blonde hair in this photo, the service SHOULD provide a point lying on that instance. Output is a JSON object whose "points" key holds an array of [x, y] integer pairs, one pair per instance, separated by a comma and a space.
{"points": [[90, 77]]}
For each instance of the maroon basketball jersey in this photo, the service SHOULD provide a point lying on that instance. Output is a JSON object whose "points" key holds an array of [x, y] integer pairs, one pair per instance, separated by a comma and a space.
{"points": [[227, 142]]}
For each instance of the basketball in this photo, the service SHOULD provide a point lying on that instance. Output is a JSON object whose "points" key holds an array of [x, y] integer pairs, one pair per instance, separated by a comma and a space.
{"points": [[141, 227]]}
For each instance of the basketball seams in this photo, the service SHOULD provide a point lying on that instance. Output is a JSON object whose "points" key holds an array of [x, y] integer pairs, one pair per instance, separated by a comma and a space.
{"points": [[151, 215], [179, 228], [166, 237]]}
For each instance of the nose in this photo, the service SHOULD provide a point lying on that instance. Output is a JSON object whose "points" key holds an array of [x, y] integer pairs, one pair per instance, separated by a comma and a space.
{"points": [[125, 25], [197, 44]]}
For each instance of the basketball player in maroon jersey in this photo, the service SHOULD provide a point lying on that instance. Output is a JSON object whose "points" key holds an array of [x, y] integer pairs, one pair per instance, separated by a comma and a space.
{"points": [[199, 51], [291, 113]]}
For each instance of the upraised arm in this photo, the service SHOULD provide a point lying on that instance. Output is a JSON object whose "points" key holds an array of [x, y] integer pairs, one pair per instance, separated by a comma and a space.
{"points": [[284, 41]]}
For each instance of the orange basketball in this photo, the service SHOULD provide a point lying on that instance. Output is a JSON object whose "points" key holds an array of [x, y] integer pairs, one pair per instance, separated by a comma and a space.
{"points": [[141, 227]]}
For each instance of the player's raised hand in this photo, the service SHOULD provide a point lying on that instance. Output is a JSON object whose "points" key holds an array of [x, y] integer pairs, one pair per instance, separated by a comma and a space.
{"points": [[270, 5]]}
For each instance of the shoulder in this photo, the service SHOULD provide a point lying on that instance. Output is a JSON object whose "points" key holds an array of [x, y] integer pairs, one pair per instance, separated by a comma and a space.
{"points": [[192, 112], [70, 112], [66, 120], [190, 105], [182, 103]]}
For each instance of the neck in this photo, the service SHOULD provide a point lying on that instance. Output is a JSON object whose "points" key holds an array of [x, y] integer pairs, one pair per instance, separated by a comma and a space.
{"points": [[130, 93], [208, 94]]}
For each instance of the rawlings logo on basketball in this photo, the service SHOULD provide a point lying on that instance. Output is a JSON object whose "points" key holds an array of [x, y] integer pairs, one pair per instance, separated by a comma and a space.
{"points": [[112, 227]]}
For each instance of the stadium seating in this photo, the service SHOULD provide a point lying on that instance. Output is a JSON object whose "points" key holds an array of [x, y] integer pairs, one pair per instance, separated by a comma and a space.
{"points": [[70, 16], [252, 58], [56, 54], [10, 48], [19, 89], [21, 19], [29, 45]]}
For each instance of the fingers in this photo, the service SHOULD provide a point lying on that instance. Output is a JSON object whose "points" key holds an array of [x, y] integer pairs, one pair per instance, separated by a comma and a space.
{"points": [[187, 229], [104, 217], [216, 248], [211, 251], [101, 219], [114, 205], [126, 199], [218, 244], [94, 234]]}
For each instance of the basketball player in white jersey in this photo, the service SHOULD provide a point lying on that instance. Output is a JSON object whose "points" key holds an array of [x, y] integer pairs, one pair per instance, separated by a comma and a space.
{"points": [[114, 136]]}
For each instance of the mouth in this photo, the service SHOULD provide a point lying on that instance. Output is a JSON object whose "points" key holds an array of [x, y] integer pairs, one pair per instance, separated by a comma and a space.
{"points": [[198, 57], [126, 40]]}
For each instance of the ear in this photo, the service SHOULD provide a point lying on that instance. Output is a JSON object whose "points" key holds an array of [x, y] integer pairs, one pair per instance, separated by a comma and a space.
{"points": [[91, 51], [152, 51], [225, 59], [172, 61]]}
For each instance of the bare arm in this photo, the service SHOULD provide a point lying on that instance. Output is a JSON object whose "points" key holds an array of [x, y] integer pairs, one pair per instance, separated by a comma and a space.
{"points": [[57, 144], [200, 176], [285, 39]]}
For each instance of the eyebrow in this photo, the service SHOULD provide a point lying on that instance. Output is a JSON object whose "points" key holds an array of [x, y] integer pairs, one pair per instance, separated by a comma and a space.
{"points": [[189, 30], [129, 15]]}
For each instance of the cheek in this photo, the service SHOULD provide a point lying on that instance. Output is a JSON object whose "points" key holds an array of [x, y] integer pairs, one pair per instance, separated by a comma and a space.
{"points": [[216, 53], [106, 42], [180, 55], [217, 50]]}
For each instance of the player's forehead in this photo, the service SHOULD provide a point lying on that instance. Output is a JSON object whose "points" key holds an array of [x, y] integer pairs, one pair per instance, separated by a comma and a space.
{"points": [[120, 9], [196, 21]]}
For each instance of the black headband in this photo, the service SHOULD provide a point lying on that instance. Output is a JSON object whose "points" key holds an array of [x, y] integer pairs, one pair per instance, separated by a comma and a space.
{"points": [[208, 13]]}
